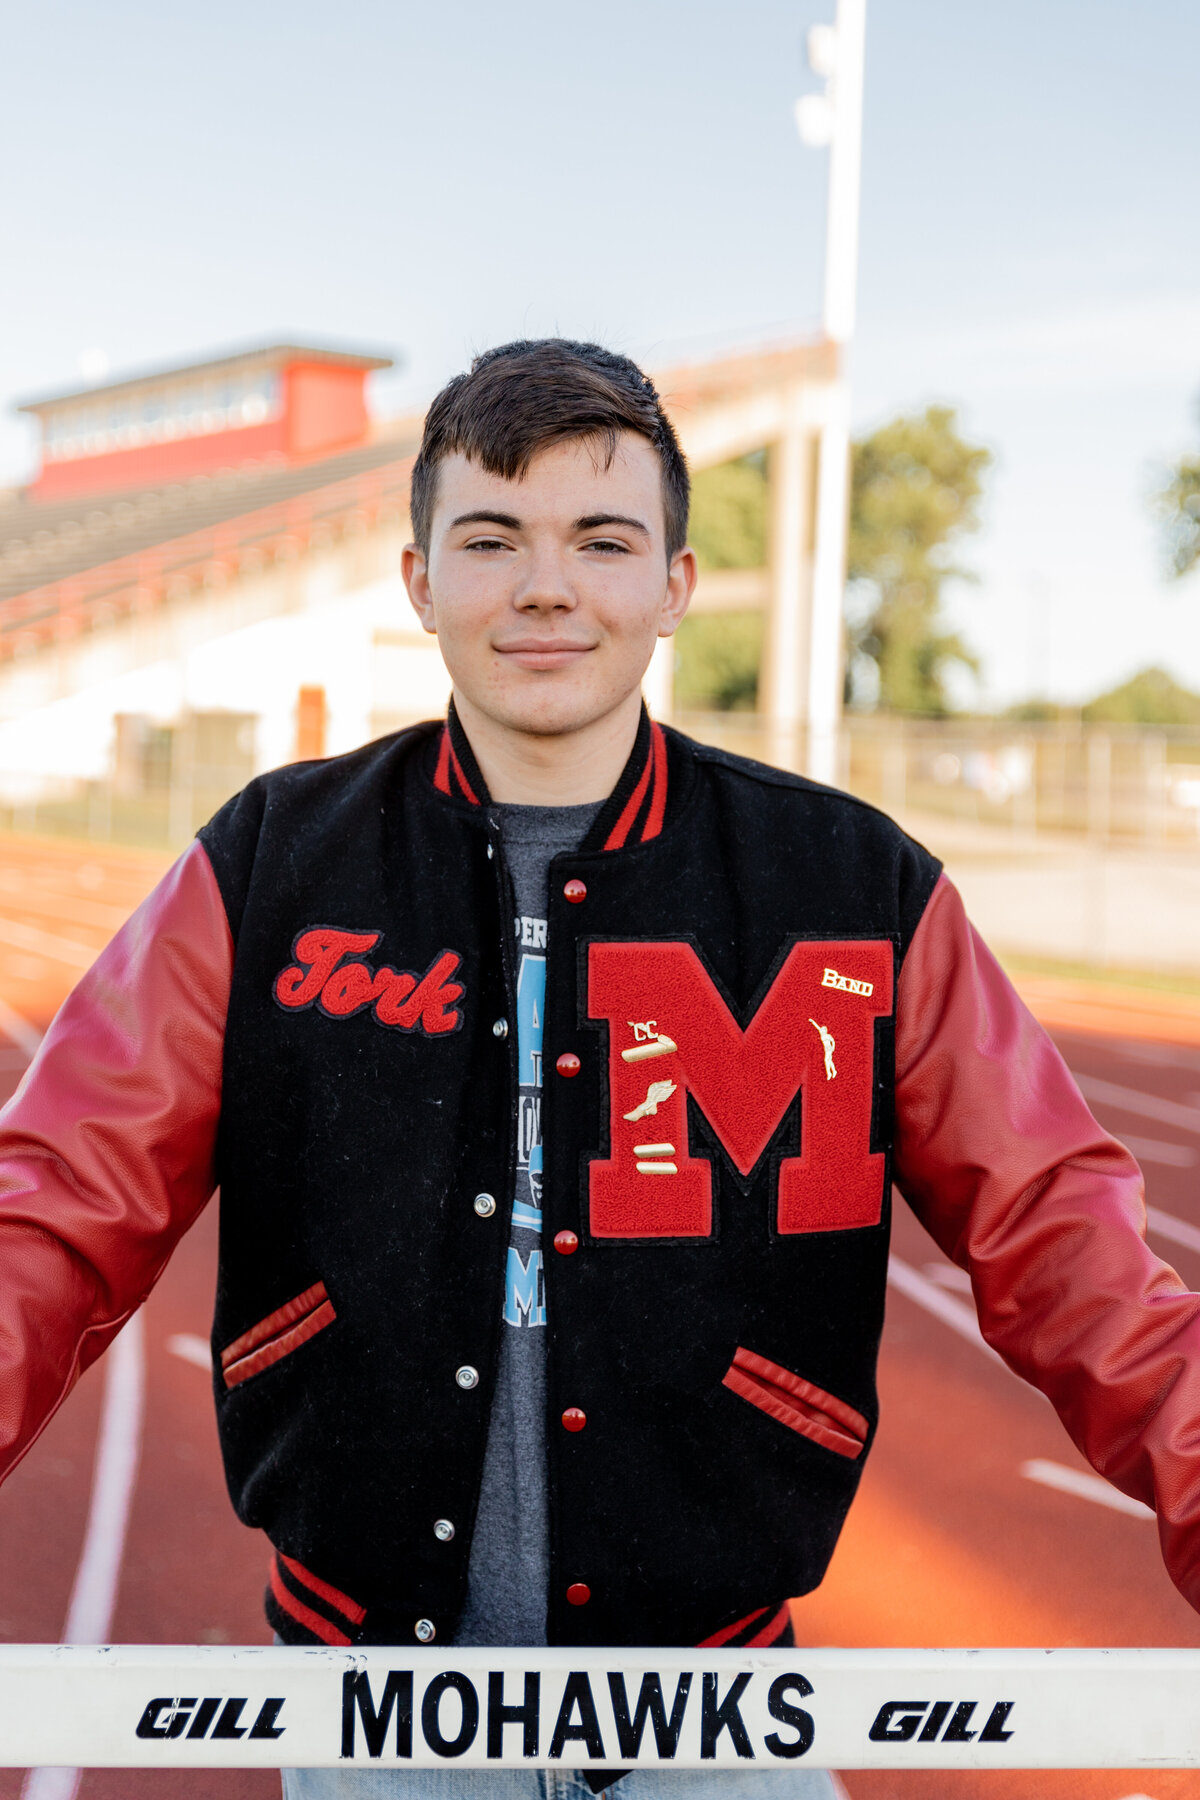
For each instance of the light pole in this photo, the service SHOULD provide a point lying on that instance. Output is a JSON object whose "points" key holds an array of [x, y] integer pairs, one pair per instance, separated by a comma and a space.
{"points": [[834, 118]]}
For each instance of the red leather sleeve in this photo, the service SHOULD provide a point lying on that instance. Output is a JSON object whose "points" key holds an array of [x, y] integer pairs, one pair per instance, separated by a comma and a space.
{"points": [[106, 1148], [999, 1157]]}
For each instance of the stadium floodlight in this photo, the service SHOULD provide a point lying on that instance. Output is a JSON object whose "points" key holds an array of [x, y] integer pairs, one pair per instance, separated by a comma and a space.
{"points": [[816, 114], [822, 46]]}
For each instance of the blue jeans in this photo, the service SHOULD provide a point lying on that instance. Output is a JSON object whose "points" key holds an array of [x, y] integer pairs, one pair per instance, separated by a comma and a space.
{"points": [[555, 1784]]}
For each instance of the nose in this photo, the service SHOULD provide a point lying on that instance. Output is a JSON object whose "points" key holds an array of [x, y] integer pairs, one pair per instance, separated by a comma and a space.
{"points": [[546, 586]]}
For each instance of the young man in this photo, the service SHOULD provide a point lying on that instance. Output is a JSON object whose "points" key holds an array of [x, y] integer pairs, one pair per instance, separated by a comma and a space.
{"points": [[555, 1070]]}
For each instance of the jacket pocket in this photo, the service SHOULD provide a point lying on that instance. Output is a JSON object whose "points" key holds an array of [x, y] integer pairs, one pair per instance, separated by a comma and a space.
{"points": [[797, 1403], [276, 1336]]}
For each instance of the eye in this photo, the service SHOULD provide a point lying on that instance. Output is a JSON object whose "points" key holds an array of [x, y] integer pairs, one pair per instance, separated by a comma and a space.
{"points": [[486, 544], [607, 546]]}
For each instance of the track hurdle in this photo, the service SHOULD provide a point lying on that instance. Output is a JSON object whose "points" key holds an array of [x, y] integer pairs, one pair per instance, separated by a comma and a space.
{"points": [[128, 1706]]}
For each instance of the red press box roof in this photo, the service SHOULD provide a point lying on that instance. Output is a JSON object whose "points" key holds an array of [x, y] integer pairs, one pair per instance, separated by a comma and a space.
{"points": [[270, 401], [262, 356]]}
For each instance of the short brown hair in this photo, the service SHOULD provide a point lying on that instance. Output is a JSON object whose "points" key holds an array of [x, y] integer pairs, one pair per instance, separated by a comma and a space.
{"points": [[522, 397]]}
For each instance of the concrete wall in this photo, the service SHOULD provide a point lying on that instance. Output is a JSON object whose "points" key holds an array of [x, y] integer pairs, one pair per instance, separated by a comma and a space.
{"points": [[338, 618]]}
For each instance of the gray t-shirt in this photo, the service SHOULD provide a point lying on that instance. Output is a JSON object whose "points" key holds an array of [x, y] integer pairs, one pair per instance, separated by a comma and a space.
{"points": [[510, 1552]]}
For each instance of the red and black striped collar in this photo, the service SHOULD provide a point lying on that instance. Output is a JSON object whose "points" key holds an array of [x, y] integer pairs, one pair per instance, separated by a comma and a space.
{"points": [[457, 772], [633, 812]]}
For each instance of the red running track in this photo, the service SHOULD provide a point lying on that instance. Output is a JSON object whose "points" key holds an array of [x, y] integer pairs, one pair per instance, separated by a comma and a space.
{"points": [[948, 1543]]}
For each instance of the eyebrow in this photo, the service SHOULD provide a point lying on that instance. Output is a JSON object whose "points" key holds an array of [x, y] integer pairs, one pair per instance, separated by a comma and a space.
{"points": [[589, 522], [508, 520], [593, 521]]}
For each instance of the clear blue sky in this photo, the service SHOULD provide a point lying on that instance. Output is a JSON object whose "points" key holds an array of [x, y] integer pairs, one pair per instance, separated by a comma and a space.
{"points": [[439, 177]]}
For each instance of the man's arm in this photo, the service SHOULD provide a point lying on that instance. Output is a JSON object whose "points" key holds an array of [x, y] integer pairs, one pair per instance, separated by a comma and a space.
{"points": [[1000, 1159], [106, 1148]]}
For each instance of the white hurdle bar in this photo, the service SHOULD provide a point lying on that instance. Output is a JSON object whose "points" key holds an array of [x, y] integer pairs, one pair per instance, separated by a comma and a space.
{"points": [[129, 1706]]}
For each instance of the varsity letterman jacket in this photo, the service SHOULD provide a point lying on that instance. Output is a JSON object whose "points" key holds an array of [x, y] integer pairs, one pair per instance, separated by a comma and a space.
{"points": [[763, 1004]]}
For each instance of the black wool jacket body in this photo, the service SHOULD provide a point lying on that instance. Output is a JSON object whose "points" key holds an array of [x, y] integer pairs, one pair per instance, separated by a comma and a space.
{"points": [[717, 1096]]}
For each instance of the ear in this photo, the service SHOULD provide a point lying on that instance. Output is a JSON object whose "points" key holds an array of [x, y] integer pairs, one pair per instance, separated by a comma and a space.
{"points": [[414, 569], [681, 585]]}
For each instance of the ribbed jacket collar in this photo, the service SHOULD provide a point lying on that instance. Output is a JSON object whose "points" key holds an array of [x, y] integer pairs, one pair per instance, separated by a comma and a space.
{"points": [[633, 812]]}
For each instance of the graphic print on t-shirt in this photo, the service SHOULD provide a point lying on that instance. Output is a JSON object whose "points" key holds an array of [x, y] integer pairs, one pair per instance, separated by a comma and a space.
{"points": [[524, 1289]]}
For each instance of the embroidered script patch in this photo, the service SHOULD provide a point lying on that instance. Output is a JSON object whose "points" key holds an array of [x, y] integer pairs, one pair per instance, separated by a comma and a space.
{"points": [[329, 972]]}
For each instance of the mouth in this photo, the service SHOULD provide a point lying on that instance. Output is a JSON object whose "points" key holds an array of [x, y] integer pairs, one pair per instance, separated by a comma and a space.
{"points": [[543, 653]]}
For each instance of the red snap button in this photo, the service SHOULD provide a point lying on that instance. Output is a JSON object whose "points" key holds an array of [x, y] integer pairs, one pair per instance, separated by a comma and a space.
{"points": [[574, 1419], [575, 891], [566, 1243], [578, 1594], [568, 1064]]}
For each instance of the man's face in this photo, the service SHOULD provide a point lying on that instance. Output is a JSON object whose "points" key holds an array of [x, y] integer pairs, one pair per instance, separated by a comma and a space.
{"points": [[547, 594]]}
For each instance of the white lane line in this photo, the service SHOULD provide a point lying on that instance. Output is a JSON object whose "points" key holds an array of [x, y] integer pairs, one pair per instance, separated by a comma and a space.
{"points": [[19, 1031], [118, 1450], [191, 1349], [1168, 1226], [47, 943], [89, 1616], [1154, 1150], [957, 1314], [1083, 1487], [1133, 1100]]}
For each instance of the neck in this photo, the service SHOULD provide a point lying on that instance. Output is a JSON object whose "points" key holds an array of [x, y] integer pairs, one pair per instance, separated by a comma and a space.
{"points": [[570, 768]]}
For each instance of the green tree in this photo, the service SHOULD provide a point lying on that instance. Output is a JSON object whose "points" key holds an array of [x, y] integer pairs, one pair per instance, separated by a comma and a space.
{"points": [[915, 491], [728, 527], [916, 486], [716, 661], [1180, 503], [1151, 697], [717, 654]]}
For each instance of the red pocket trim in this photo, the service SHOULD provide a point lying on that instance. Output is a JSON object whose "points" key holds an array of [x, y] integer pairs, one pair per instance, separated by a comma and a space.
{"points": [[304, 1615], [333, 1596], [277, 1335], [797, 1403]]}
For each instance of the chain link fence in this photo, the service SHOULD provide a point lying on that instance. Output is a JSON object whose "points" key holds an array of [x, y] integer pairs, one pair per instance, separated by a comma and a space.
{"points": [[1108, 784]]}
